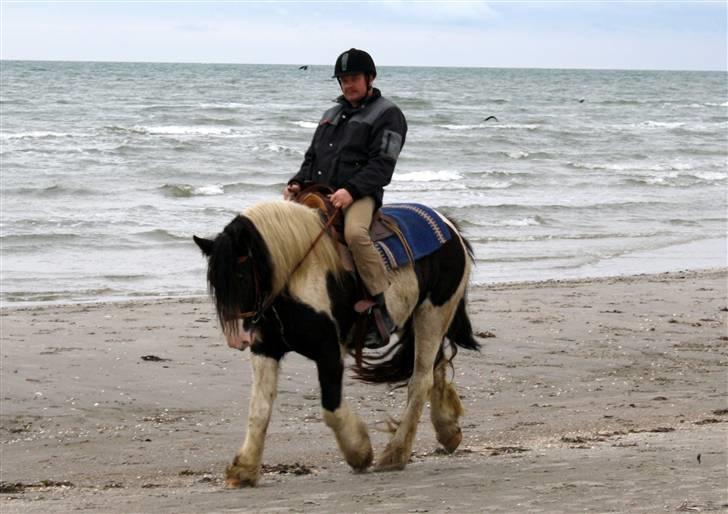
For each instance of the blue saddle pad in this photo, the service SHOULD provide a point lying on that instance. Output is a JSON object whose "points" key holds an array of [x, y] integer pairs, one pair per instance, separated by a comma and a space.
{"points": [[423, 229]]}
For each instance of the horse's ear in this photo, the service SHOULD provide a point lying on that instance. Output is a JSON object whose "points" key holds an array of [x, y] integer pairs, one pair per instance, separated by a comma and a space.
{"points": [[204, 244]]}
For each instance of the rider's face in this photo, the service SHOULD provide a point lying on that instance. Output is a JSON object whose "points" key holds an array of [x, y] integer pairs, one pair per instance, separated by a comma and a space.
{"points": [[354, 87]]}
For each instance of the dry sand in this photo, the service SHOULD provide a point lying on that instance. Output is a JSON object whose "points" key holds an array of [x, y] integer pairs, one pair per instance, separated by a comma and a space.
{"points": [[604, 395]]}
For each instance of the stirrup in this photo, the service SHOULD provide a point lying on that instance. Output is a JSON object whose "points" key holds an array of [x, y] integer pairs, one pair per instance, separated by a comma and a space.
{"points": [[380, 329]]}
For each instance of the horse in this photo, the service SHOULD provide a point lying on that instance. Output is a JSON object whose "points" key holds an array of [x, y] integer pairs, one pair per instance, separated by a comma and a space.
{"points": [[278, 286]]}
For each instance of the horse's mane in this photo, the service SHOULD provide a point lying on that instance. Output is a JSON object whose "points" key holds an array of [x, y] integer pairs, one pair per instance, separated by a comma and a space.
{"points": [[288, 230]]}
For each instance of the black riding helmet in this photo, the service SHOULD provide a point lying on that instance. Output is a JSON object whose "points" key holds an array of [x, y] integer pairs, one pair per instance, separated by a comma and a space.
{"points": [[354, 61]]}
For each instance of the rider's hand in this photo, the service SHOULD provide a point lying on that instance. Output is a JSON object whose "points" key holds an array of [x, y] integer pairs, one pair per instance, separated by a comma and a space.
{"points": [[291, 190], [341, 198]]}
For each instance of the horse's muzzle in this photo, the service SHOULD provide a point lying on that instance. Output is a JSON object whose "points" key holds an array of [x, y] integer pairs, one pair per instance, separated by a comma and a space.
{"points": [[239, 340]]}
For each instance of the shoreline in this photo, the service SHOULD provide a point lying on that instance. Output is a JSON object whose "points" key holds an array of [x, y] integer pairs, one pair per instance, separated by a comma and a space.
{"points": [[10, 306], [589, 395]]}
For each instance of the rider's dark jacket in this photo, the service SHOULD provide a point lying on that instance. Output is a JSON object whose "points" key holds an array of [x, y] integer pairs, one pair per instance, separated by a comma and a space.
{"points": [[356, 147]]}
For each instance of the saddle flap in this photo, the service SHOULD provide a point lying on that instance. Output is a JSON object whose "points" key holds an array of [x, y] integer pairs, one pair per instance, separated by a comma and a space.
{"points": [[380, 227]]}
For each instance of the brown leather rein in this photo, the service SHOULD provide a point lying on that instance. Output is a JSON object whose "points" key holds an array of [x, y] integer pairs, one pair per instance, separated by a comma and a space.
{"points": [[263, 306]]}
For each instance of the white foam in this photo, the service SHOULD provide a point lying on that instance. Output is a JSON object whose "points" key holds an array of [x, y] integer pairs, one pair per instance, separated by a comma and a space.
{"points": [[523, 222], [527, 126], [228, 105], [460, 127], [427, 176], [710, 175], [209, 190], [34, 134], [183, 130], [304, 124], [635, 166], [276, 148], [661, 124]]}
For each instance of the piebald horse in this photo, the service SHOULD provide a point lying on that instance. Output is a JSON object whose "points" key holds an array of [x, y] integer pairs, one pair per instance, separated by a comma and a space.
{"points": [[278, 287]]}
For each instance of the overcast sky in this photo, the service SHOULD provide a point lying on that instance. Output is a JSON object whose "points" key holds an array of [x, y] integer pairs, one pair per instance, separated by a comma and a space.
{"points": [[614, 35]]}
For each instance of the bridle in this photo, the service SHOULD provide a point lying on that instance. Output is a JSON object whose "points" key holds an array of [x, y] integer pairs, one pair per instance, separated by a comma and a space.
{"points": [[262, 305]]}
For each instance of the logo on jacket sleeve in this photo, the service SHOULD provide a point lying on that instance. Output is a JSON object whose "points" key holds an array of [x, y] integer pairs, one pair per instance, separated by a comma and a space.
{"points": [[391, 144]]}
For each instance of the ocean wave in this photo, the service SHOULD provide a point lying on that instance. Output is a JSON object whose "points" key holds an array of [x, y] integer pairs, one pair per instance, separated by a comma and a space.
{"points": [[187, 190], [215, 121], [676, 178], [183, 130], [35, 134], [522, 154], [619, 101], [710, 176], [555, 237], [515, 126], [411, 102], [276, 148], [427, 176], [661, 124], [423, 187], [125, 278], [304, 124], [57, 296], [632, 166], [162, 235], [224, 106], [38, 239], [522, 222], [527, 221], [52, 191]]}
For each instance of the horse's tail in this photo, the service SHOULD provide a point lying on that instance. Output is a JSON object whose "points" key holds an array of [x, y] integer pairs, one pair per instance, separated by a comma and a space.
{"points": [[395, 366], [460, 331]]}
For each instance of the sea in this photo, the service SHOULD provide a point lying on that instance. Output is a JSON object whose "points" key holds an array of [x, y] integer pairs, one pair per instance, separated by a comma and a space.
{"points": [[108, 169]]}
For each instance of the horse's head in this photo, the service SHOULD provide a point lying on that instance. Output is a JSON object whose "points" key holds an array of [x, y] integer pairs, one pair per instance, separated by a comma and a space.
{"points": [[238, 276]]}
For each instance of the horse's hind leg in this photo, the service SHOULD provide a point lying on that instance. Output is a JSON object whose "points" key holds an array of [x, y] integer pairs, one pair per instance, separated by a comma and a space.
{"points": [[245, 469], [445, 410], [430, 325]]}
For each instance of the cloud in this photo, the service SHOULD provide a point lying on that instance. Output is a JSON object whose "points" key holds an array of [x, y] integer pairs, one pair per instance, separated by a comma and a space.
{"points": [[397, 33], [439, 13]]}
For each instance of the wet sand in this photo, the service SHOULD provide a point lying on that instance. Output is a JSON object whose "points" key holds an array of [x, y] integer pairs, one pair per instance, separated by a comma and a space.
{"points": [[601, 395]]}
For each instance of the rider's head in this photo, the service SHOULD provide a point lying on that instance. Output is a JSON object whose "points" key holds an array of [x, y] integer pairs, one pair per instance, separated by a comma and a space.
{"points": [[355, 71]]}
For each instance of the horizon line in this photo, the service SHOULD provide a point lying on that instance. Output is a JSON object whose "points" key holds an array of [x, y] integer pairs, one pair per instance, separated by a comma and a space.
{"points": [[90, 61]]}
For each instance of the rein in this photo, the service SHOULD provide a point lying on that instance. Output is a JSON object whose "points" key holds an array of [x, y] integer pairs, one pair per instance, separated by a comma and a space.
{"points": [[263, 306]]}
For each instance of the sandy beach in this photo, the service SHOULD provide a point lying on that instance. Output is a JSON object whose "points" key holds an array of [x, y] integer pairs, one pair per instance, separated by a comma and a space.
{"points": [[600, 395]]}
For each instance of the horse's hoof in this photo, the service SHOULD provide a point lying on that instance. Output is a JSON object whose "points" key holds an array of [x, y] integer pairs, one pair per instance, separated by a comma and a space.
{"points": [[453, 442], [237, 476], [237, 483], [389, 466], [361, 464], [391, 461]]}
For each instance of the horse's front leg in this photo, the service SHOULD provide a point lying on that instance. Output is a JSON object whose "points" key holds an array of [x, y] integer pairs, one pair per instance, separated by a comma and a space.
{"points": [[245, 469], [350, 431]]}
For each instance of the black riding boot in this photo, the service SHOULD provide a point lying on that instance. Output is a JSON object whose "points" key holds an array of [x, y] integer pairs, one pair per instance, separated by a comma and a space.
{"points": [[381, 325]]}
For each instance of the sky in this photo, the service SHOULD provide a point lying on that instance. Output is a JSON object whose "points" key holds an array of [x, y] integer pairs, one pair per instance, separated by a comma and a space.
{"points": [[594, 35]]}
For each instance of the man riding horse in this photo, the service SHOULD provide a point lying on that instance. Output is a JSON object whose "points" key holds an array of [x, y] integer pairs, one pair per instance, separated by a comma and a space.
{"points": [[354, 151]]}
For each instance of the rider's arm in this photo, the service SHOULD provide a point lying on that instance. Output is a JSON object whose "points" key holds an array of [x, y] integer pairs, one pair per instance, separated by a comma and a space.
{"points": [[388, 136]]}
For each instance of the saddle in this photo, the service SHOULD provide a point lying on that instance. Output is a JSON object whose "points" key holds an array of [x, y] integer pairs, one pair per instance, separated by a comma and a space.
{"points": [[401, 233], [382, 227]]}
